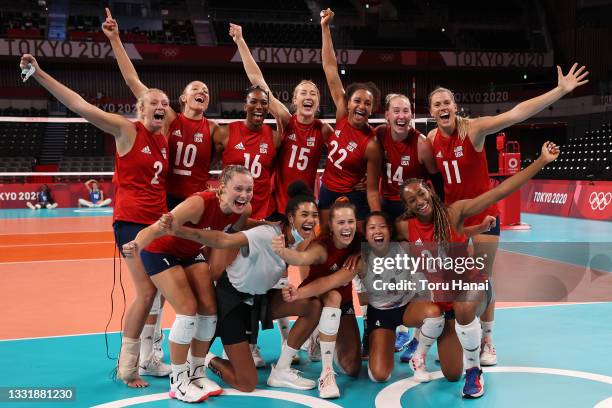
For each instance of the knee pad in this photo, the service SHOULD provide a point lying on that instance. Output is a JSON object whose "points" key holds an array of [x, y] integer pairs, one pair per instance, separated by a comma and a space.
{"points": [[205, 327], [183, 329], [374, 379], [469, 335], [433, 327], [156, 307], [330, 321]]}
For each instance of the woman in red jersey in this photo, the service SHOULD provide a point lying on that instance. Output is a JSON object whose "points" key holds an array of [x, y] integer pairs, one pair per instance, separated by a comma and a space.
{"points": [[304, 135], [177, 268], [353, 150], [432, 229], [458, 145], [327, 254], [141, 166]]}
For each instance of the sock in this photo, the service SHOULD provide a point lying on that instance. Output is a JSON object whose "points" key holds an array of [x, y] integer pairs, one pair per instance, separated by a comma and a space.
{"points": [[146, 342], [178, 368], [402, 328], [157, 333], [487, 330], [287, 354], [209, 357], [327, 354], [430, 330], [284, 327], [469, 337], [195, 362]]}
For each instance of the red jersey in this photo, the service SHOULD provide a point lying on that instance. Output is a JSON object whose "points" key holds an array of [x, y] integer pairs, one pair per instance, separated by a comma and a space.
{"points": [[255, 151], [299, 157], [140, 179], [212, 218], [335, 259], [464, 170], [401, 161], [191, 151], [346, 164]]}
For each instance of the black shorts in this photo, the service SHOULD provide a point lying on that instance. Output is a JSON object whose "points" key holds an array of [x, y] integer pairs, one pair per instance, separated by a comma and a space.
{"points": [[276, 216], [392, 208], [173, 201], [495, 230], [384, 318], [125, 232], [155, 263], [358, 198]]}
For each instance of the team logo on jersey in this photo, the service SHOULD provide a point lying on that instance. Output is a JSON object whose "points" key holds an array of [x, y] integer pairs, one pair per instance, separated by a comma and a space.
{"points": [[177, 133], [263, 148], [459, 151], [163, 152], [337, 133], [146, 150], [405, 160], [200, 257], [198, 137], [310, 141], [292, 137], [351, 146], [418, 242], [239, 146], [439, 155], [227, 227], [377, 323], [334, 268]]}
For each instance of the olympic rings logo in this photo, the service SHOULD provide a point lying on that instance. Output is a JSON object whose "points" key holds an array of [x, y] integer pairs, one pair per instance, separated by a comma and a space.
{"points": [[386, 57], [599, 201], [169, 52]]}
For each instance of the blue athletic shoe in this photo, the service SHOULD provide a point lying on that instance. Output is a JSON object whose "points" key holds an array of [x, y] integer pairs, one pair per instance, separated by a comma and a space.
{"points": [[474, 383], [401, 339], [410, 349]]}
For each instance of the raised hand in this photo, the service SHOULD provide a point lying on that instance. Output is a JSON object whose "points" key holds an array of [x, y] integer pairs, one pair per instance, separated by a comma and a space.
{"points": [[278, 244], [28, 59], [235, 31], [573, 79], [327, 16], [550, 152], [290, 293], [110, 26], [130, 250]]}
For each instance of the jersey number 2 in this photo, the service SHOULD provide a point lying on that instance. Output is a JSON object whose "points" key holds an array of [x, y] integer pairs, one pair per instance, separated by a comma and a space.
{"points": [[158, 166]]}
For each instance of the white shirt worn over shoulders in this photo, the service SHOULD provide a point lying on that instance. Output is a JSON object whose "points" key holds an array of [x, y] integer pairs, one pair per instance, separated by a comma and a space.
{"points": [[257, 268]]}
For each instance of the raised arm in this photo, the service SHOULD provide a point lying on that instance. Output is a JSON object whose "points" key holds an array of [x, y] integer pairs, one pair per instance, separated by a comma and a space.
{"points": [[460, 210], [479, 128], [330, 65], [313, 255], [88, 184], [123, 130], [373, 155]]}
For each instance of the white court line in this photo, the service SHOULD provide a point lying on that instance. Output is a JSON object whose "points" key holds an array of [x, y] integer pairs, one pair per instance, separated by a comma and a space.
{"points": [[57, 243], [54, 232], [57, 260]]}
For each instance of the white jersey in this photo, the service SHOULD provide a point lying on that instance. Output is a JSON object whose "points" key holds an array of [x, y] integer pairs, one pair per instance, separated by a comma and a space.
{"points": [[379, 286], [257, 268]]}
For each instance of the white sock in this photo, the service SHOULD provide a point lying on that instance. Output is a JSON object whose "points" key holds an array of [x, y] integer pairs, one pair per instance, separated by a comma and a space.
{"points": [[178, 368], [208, 358], [195, 362], [469, 337], [487, 330], [430, 330], [327, 354], [146, 342], [157, 334], [401, 328], [284, 327], [287, 354]]}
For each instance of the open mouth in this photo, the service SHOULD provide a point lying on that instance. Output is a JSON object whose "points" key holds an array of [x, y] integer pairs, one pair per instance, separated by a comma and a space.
{"points": [[379, 238], [258, 115], [240, 203], [346, 234], [307, 227], [423, 208], [445, 116], [360, 113], [401, 124], [308, 104], [199, 99], [159, 115]]}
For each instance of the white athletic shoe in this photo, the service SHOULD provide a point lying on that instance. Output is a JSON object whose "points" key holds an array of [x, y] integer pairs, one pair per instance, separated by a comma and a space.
{"points": [[257, 358], [184, 390], [198, 377], [417, 364], [327, 385], [488, 355], [154, 367], [289, 378], [157, 347], [314, 348]]}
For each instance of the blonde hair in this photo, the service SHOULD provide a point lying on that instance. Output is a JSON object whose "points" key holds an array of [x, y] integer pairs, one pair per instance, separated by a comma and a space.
{"points": [[392, 96], [461, 122], [227, 174], [141, 98], [295, 91]]}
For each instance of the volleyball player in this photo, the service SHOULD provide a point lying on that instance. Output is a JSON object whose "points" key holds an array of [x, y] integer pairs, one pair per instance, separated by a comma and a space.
{"points": [[141, 166], [96, 196], [245, 294], [331, 251], [432, 227], [353, 150], [458, 145]]}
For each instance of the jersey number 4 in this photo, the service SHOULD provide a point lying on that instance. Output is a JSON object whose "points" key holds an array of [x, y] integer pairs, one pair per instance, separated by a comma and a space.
{"points": [[449, 179]]}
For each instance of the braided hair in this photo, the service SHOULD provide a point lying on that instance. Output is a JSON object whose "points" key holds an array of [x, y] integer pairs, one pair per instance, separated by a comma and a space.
{"points": [[441, 220]]}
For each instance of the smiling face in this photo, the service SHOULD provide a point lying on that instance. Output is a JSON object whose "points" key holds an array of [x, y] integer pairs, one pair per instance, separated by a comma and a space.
{"points": [[417, 200], [256, 108], [443, 108], [237, 193], [305, 218], [195, 97], [343, 226], [153, 108], [306, 99], [360, 107], [378, 232], [399, 115]]}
